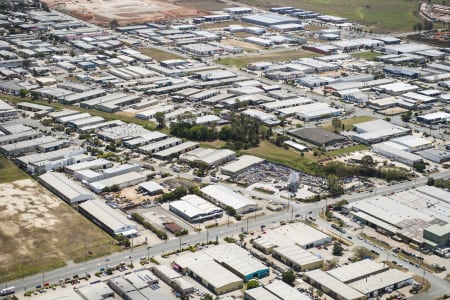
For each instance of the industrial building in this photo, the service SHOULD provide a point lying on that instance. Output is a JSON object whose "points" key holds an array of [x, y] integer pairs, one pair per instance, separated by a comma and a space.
{"points": [[332, 286], [134, 281], [299, 234], [7, 112], [223, 197], [208, 157], [276, 290], [381, 283], [317, 136], [238, 260], [175, 151], [195, 209], [357, 270], [19, 137], [109, 219], [268, 20], [437, 236], [413, 143], [173, 279], [388, 150], [88, 175], [241, 164], [434, 118], [160, 145], [63, 187], [23, 147], [98, 291], [151, 187], [435, 155], [266, 118], [377, 131], [95, 164], [211, 274], [121, 181], [296, 257]]}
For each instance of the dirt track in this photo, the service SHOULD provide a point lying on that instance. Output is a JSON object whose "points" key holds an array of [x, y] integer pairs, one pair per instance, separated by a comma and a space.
{"points": [[101, 12]]}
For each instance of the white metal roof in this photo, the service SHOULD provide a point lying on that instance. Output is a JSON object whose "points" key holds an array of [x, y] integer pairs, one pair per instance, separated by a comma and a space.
{"points": [[331, 283], [69, 189], [357, 270], [285, 291], [151, 186], [297, 254], [227, 197], [213, 273], [379, 281]]}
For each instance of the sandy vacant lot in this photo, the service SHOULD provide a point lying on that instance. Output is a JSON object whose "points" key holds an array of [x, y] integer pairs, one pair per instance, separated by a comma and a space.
{"points": [[101, 12], [39, 231]]}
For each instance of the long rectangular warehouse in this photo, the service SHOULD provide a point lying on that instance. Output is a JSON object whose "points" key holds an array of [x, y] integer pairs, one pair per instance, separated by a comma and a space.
{"points": [[176, 150], [121, 181], [111, 220], [64, 188], [25, 146], [224, 197], [195, 209], [240, 165]]}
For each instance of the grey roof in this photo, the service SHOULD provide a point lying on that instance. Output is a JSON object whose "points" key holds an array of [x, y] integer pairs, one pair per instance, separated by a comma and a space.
{"points": [[71, 191], [331, 283], [357, 270]]}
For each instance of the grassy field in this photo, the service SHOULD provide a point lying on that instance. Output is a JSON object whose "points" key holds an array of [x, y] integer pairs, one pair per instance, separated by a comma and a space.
{"points": [[346, 150], [40, 232], [380, 15], [367, 55], [287, 55], [280, 155], [217, 144], [105, 115], [159, 54], [9, 171], [348, 123]]}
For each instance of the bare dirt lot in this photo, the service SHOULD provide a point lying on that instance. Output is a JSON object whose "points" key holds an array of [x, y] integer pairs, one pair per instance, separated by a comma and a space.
{"points": [[101, 12], [41, 232]]}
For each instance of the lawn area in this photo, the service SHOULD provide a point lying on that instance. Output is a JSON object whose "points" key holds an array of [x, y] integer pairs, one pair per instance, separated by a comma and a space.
{"points": [[348, 123], [290, 158], [158, 54], [243, 61], [346, 150], [217, 144], [9, 171], [367, 55], [380, 15], [40, 232], [107, 116]]}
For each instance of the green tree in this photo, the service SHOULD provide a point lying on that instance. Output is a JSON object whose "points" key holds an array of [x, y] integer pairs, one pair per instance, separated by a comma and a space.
{"points": [[288, 277], [23, 93], [367, 161], [207, 297], [160, 119], [335, 186], [337, 249], [252, 284], [230, 211], [430, 181], [360, 253], [337, 124]]}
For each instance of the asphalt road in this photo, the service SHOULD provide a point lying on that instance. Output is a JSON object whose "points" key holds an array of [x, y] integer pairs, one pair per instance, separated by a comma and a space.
{"points": [[439, 286]]}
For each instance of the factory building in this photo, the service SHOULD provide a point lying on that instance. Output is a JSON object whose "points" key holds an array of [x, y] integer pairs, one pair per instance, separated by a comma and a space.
{"points": [[121, 181], [22, 147], [268, 20], [296, 257], [358, 270], [317, 136], [97, 291], [332, 286], [208, 157], [195, 209], [413, 143], [88, 165], [19, 137], [276, 290], [173, 279], [241, 164], [175, 151], [377, 131], [160, 145], [397, 154], [110, 220], [64, 188], [223, 197]]}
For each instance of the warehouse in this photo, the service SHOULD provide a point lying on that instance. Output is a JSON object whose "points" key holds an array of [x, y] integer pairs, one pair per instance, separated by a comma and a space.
{"points": [[357, 270], [396, 154], [110, 220], [91, 176], [396, 88], [43, 162], [117, 134], [97, 291], [173, 279], [66, 119], [151, 187], [151, 113], [144, 139], [379, 284], [19, 137], [377, 131], [175, 151], [289, 234], [22, 147], [435, 155], [238, 260], [437, 236], [275, 290], [134, 281], [240, 165], [195, 209], [34, 107], [275, 105], [78, 97], [202, 49], [62, 113], [267, 119], [208, 157], [108, 124], [317, 136], [331, 286], [92, 165], [63, 187], [268, 20], [160, 145], [121, 181], [7, 112], [85, 122], [413, 143], [211, 274], [316, 111], [434, 118], [224, 197], [297, 258], [53, 146]]}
